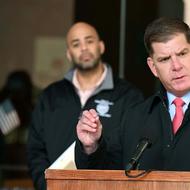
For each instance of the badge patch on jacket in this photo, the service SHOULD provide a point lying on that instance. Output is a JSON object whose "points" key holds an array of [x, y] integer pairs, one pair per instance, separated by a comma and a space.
{"points": [[103, 107]]}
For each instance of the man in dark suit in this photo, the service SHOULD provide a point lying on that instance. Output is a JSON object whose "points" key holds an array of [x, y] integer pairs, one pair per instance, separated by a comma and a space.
{"points": [[89, 84], [163, 120]]}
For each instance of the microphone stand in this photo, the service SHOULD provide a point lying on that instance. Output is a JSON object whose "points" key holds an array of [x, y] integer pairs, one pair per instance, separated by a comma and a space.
{"points": [[143, 144]]}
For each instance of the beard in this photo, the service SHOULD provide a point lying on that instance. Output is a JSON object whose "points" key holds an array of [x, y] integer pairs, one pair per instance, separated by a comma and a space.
{"points": [[87, 66]]}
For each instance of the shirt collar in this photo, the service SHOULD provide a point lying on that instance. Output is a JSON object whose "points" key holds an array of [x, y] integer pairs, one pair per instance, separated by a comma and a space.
{"points": [[107, 83], [171, 97], [77, 84]]}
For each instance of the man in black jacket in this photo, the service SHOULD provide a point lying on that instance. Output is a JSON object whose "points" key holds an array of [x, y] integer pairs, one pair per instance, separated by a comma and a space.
{"points": [[90, 84], [152, 123]]}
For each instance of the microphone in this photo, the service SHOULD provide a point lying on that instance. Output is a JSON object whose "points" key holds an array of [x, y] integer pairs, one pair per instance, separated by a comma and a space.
{"points": [[143, 144]]}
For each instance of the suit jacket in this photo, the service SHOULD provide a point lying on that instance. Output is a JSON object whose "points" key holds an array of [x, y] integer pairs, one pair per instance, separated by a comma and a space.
{"points": [[53, 125], [148, 119]]}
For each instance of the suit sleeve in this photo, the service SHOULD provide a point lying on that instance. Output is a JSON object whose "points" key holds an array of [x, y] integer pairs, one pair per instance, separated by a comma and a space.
{"points": [[108, 155], [36, 151]]}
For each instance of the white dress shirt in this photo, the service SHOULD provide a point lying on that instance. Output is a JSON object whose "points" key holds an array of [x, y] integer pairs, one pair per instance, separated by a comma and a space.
{"points": [[171, 108]]}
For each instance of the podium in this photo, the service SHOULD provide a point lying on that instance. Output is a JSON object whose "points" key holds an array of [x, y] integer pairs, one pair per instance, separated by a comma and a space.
{"points": [[115, 180]]}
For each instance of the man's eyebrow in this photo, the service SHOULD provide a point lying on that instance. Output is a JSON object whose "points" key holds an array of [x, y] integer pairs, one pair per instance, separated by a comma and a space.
{"points": [[74, 40], [163, 57], [182, 50], [87, 37], [90, 37]]}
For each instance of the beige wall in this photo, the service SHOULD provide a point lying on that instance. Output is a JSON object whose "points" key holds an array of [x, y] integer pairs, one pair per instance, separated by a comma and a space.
{"points": [[187, 11], [22, 22]]}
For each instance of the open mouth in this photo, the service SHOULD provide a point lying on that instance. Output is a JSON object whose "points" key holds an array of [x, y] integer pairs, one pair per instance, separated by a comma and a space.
{"points": [[179, 77], [85, 57]]}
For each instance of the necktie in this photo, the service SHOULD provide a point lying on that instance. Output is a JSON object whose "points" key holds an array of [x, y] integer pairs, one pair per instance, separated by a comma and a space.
{"points": [[178, 117]]}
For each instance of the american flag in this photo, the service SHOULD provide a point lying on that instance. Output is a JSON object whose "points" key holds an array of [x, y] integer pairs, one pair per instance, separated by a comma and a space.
{"points": [[9, 119]]}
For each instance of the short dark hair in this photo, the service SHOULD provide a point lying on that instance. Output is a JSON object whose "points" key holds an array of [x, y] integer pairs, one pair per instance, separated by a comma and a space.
{"points": [[162, 30]]}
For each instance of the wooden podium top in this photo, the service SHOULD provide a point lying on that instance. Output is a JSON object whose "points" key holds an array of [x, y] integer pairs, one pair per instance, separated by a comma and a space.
{"points": [[116, 179], [117, 175]]}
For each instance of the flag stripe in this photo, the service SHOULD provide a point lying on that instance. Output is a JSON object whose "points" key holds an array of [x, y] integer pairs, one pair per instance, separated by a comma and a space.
{"points": [[9, 118]]}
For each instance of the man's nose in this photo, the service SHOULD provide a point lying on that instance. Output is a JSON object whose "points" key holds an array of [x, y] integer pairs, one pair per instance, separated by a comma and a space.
{"points": [[176, 64], [83, 46]]}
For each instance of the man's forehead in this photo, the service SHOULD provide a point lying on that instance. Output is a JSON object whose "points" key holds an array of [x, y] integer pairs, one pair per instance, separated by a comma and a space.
{"points": [[175, 44], [81, 30]]}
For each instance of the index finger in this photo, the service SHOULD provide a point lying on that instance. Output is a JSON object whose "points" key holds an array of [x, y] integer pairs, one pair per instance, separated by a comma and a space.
{"points": [[88, 115]]}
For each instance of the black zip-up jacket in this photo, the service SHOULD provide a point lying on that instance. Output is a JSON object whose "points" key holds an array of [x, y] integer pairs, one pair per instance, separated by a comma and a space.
{"points": [[151, 120], [53, 127]]}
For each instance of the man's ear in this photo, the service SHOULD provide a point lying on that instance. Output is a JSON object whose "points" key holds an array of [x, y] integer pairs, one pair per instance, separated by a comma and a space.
{"points": [[152, 67], [102, 47], [68, 55]]}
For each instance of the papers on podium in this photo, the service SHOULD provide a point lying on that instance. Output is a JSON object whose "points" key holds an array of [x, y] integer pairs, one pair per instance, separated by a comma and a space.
{"points": [[66, 160]]}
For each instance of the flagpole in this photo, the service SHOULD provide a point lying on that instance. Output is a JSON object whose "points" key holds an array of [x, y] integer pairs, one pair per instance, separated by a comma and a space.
{"points": [[122, 38]]}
